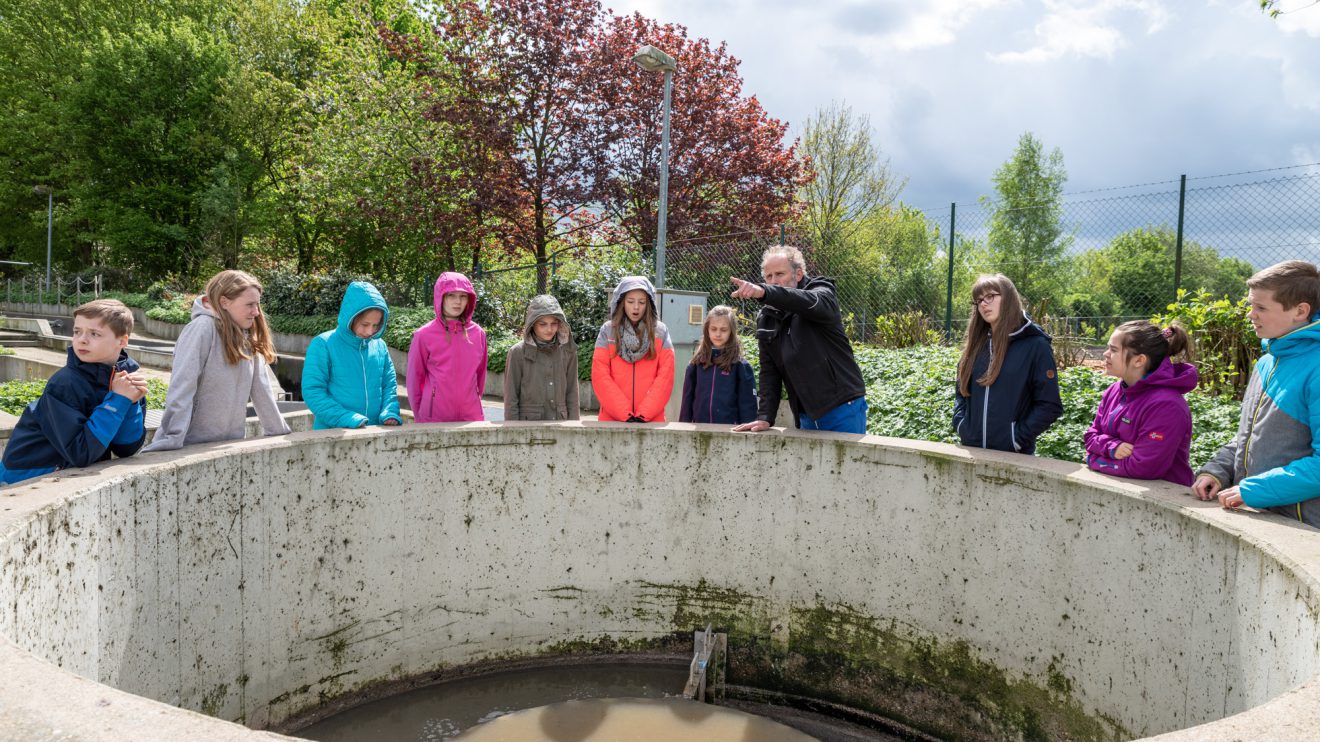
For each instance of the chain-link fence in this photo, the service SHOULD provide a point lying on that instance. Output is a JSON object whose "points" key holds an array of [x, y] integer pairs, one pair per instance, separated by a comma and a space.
{"points": [[1088, 261]]}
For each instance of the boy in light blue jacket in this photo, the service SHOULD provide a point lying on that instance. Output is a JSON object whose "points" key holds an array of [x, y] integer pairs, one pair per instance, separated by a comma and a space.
{"points": [[1273, 463], [348, 378]]}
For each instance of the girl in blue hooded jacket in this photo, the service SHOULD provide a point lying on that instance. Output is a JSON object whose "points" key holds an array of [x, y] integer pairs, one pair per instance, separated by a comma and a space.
{"points": [[348, 378]]}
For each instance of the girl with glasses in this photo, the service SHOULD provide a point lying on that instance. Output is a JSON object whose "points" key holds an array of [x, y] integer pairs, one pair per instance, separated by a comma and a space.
{"points": [[1008, 387]]}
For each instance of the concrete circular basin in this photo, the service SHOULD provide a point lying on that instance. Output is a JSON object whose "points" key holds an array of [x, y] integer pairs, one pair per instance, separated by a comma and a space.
{"points": [[201, 593]]}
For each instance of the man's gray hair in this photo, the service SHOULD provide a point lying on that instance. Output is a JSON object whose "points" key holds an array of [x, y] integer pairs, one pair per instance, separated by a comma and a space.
{"points": [[795, 260]]}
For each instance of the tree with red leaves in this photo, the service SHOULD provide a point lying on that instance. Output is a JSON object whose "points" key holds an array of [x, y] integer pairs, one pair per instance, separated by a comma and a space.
{"points": [[514, 92], [729, 168], [550, 129]]}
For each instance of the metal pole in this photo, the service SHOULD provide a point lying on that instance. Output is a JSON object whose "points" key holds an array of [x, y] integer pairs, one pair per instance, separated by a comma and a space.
{"points": [[50, 222], [781, 235], [1178, 247], [664, 188], [948, 293]]}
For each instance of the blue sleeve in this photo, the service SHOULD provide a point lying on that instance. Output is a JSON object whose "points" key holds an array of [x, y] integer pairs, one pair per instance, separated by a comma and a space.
{"points": [[316, 389], [689, 394], [1297, 480], [746, 393], [389, 388], [80, 439], [132, 431]]}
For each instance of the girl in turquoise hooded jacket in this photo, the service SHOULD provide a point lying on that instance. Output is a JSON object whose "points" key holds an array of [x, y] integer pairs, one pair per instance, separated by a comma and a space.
{"points": [[348, 378]]}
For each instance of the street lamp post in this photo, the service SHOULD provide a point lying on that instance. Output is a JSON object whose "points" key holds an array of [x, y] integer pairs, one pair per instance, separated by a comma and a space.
{"points": [[50, 221], [652, 59]]}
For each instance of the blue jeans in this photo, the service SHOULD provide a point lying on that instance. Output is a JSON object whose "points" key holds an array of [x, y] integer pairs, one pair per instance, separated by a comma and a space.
{"points": [[849, 417]]}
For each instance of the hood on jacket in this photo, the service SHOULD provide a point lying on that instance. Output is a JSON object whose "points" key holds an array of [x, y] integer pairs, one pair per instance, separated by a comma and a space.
{"points": [[450, 282], [545, 306], [1028, 329], [200, 308], [1304, 339], [358, 298], [1180, 377], [630, 283]]}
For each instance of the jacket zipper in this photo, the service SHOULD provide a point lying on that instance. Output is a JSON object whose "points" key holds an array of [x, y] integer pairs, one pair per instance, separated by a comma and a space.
{"points": [[1109, 424], [985, 406], [1246, 447], [366, 396], [714, 377]]}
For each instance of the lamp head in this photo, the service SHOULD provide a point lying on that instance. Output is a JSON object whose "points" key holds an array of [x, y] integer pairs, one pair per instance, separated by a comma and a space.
{"points": [[652, 59]]}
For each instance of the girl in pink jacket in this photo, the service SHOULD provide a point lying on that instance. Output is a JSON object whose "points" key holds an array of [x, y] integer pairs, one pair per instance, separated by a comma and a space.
{"points": [[447, 358]]}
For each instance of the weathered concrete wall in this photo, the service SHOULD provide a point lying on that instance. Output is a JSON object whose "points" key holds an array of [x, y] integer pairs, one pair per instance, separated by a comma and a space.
{"points": [[254, 580]]}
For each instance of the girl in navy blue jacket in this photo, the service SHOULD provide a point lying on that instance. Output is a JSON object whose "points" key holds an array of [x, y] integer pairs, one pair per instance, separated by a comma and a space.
{"points": [[719, 386], [1008, 387]]}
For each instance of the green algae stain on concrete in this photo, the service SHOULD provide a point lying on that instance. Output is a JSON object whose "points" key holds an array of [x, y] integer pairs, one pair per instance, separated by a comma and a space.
{"points": [[941, 687], [214, 699], [691, 607], [838, 653]]}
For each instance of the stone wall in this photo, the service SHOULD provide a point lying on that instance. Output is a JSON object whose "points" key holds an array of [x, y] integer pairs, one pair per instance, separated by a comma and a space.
{"points": [[978, 594]]}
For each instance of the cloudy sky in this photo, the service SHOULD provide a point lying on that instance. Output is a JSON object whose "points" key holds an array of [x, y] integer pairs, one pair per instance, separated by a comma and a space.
{"points": [[1131, 91]]}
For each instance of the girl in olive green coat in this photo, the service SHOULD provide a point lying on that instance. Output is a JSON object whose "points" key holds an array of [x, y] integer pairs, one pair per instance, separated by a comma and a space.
{"points": [[541, 372]]}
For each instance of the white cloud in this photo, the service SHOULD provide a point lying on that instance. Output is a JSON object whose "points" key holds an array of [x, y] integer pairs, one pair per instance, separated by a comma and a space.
{"points": [[1085, 29], [1299, 16], [938, 22]]}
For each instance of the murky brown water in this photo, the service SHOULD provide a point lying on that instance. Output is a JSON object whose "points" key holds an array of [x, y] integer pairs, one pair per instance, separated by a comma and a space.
{"points": [[441, 712], [632, 719]]}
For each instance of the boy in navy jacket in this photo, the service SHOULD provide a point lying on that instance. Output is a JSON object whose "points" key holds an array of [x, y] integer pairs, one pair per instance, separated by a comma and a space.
{"points": [[92, 408]]}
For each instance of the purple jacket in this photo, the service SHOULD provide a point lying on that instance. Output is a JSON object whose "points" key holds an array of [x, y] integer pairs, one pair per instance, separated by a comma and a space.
{"points": [[1153, 416], [447, 361]]}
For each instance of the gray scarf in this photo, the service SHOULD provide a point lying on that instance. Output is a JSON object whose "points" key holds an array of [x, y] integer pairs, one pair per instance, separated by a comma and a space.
{"points": [[632, 347]]}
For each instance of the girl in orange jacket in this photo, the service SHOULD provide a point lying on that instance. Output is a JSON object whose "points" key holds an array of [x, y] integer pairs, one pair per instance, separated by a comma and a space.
{"points": [[632, 367]]}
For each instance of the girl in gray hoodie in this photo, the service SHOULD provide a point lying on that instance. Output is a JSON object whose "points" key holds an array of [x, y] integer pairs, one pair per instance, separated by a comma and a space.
{"points": [[220, 364]]}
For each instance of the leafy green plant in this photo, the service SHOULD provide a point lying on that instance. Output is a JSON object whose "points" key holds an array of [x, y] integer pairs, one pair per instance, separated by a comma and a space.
{"points": [[311, 326], [1226, 346], [305, 295], [403, 323], [177, 311], [904, 330], [498, 343], [141, 301], [16, 395], [6, 351]]}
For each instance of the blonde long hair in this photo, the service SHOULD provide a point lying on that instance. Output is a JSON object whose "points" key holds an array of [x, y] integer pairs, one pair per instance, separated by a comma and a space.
{"points": [[238, 344]]}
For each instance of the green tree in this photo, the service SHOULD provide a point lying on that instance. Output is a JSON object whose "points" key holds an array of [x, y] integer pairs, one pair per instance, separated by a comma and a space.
{"points": [[155, 161], [852, 182], [1141, 265], [1027, 241], [43, 47]]}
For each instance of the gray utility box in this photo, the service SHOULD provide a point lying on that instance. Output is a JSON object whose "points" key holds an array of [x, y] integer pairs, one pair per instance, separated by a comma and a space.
{"points": [[683, 312]]}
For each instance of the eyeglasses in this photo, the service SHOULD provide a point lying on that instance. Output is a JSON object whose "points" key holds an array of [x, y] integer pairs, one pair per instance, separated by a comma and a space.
{"points": [[985, 299]]}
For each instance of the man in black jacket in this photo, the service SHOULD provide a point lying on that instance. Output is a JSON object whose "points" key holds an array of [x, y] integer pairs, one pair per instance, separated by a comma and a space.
{"points": [[803, 348]]}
